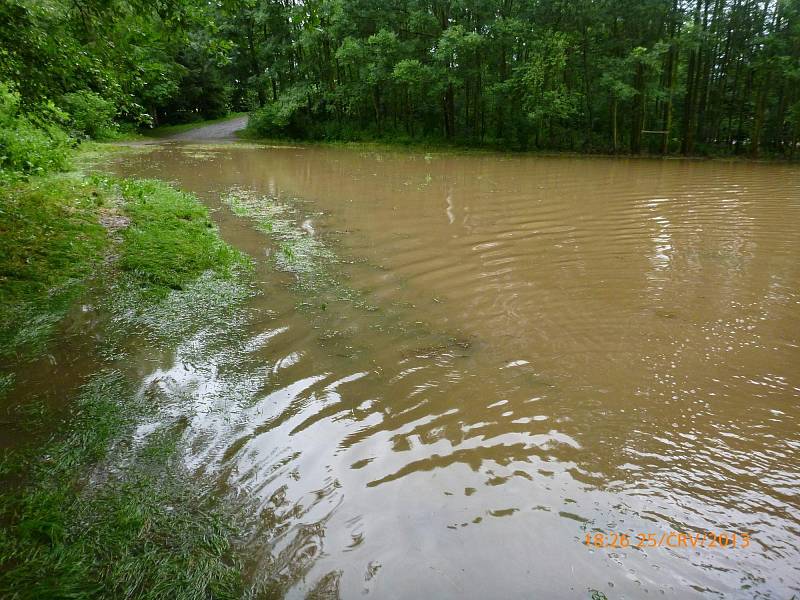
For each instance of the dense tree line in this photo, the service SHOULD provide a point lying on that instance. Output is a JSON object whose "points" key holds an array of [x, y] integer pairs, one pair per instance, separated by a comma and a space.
{"points": [[567, 74], [660, 76]]}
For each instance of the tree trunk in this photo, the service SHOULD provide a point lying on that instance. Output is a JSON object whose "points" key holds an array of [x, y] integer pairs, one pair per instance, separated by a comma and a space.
{"points": [[614, 122], [689, 111], [449, 112], [637, 116], [587, 142]]}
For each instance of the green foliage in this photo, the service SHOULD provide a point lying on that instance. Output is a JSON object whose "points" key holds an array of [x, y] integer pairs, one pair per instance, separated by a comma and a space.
{"points": [[90, 114], [28, 145], [153, 62], [720, 76], [541, 82], [563, 75], [288, 116]]}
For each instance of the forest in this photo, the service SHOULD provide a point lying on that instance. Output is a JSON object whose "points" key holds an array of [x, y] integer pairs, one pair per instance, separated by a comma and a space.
{"points": [[241, 357], [661, 76]]}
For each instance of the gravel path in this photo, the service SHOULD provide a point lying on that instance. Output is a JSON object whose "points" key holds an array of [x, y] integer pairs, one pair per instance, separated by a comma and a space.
{"points": [[218, 131]]}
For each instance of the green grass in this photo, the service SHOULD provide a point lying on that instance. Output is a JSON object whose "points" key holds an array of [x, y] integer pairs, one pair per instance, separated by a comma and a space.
{"points": [[167, 130], [50, 240], [171, 240], [435, 147], [143, 532]]}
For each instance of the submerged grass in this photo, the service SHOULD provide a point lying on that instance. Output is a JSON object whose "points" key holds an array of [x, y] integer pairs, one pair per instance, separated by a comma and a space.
{"points": [[141, 532], [89, 513], [299, 251]]}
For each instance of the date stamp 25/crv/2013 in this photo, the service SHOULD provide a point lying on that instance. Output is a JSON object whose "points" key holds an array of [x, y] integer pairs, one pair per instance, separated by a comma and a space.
{"points": [[668, 539]]}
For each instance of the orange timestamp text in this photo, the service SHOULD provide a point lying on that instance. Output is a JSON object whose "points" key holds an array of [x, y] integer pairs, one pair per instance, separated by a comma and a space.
{"points": [[668, 539]]}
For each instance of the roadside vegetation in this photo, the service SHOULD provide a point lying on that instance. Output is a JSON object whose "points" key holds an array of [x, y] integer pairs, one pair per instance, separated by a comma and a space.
{"points": [[31, 143], [683, 77], [84, 511], [51, 241], [56, 231], [170, 240]]}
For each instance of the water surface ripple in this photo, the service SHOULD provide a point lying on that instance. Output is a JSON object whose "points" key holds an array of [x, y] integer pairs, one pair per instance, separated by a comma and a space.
{"points": [[531, 349]]}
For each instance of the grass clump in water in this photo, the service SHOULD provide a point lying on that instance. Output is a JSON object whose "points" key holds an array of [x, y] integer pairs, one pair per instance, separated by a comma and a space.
{"points": [[298, 251], [176, 273], [171, 240], [142, 531]]}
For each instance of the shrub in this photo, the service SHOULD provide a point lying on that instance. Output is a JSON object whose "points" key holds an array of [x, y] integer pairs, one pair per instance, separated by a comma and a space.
{"points": [[28, 145], [288, 116], [90, 114]]}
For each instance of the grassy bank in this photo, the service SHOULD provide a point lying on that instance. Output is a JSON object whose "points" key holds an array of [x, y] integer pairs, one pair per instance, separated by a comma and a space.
{"points": [[57, 229], [86, 513], [443, 147], [51, 238]]}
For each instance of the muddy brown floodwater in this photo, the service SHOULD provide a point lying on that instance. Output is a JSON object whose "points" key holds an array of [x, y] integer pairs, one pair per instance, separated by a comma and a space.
{"points": [[529, 350]]}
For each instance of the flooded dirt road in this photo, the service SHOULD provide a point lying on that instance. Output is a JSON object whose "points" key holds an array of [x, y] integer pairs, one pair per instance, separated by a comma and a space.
{"points": [[466, 364], [225, 130]]}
